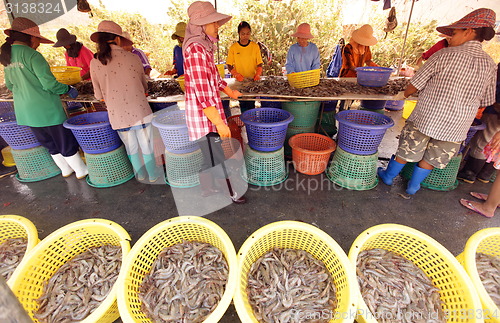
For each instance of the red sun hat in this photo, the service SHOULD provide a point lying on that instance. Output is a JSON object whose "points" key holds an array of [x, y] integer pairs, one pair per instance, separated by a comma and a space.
{"points": [[303, 31], [478, 18]]}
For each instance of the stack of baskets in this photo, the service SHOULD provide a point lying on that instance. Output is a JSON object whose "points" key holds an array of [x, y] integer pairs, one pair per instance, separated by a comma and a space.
{"points": [[439, 179], [305, 115], [354, 165], [105, 154]]}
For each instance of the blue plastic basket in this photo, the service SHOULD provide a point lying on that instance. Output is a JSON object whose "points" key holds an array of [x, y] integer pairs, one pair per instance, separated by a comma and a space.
{"points": [[477, 125], [157, 106], [395, 105], [93, 132], [373, 104], [360, 132], [269, 104], [16, 136], [330, 105], [373, 75], [266, 128], [174, 132], [6, 106]]}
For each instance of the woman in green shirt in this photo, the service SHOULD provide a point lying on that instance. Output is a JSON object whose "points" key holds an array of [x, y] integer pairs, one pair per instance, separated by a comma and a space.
{"points": [[36, 95]]}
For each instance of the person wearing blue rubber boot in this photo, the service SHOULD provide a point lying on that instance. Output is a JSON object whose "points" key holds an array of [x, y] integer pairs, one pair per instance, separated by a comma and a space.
{"points": [[452, 85]]}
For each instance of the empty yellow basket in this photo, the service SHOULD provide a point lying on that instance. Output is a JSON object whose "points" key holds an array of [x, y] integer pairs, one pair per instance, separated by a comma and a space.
{"points": [[304, 79], [67, 74]]}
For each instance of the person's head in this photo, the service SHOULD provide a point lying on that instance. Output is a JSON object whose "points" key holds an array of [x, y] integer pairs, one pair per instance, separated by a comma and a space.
{"points": [[244, 32], [203, 13], [303, 34], [364, 36], [180, 32], [127, 45], [477, 25], [64, 38], [108, 33]]}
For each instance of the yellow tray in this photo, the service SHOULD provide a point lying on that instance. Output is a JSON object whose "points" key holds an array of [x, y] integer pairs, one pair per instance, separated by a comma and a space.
{"points": [[304, 79], [67, 74]]}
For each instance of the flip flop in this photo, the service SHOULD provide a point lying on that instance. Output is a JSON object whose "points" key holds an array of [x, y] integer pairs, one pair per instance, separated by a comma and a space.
{"points": [[480, 196], [470, 206]]}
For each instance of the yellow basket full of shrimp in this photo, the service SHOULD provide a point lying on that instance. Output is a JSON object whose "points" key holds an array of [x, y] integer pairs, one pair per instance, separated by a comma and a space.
{"points": [[181, 270], [304, 79], [18, 236], [406, 276], [71, 274], [481, 260], [291, 271], [69, 75]]}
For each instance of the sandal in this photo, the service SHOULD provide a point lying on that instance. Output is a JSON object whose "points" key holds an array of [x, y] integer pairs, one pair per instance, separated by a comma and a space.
{"points": [[480, 196], [470, 206]]}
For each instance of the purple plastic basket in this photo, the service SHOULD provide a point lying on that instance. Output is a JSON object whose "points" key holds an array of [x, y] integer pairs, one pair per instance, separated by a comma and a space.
{"points": [[174, 132], [373, 75], [476, 126], [16, 136], [373, 104], [266, 127], [93, 132], [360, 131], [395, 105]]}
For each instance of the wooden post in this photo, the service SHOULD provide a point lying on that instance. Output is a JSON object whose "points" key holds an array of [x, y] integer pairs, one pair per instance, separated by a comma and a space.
{"points": [[11, 311]]}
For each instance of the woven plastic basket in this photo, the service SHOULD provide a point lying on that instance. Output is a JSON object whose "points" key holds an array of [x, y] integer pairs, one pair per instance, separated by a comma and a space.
{"points": [[395, 105], [354, 172], [16, 136], [8, 159], [311, 152], [330, 105], [67, 74], [166, 106], [58, 248], [374, 76], [265, 168], [360, 132], [6, 107], [292, 131], [269, 104], [93, 132], [301, 236], [439, 179], [328, 123], [477, 125], [183, 169], [373, 104], [456, 289], [485, 241], [34, 164], [109, 169], [181, 81], [161, 236], [304, 114], [174, 132], [304, 79]]}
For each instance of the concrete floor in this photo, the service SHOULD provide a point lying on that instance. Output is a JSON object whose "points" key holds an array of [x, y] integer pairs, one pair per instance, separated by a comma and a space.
{"points": [[344, 214]]}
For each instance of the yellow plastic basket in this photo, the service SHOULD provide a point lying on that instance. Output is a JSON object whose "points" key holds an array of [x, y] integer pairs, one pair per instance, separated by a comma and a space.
{"points": [[220, 68], [163, 235], [67, 74], [457, 292], [304, 79], [180, 79], [55, 250], [8, 159], [299, 236], [15, 226], [485, 241]]}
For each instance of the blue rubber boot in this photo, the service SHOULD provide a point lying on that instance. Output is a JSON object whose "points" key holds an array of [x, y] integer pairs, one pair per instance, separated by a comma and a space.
{"points": [[149, 161], [419, 174], [136, 162], [390, 172]]}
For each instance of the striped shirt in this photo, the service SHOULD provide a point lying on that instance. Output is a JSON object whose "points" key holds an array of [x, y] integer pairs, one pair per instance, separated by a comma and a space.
{"points": [[453, 84], [203, 83]]}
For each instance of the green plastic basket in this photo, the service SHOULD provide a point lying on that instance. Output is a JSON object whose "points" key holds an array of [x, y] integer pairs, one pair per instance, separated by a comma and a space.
{"points": [[381, 111], [265, 168], [328, 123], [305, 114], [354, 172], [109, 169], [183, 169], [34, 164], [439, 179]]}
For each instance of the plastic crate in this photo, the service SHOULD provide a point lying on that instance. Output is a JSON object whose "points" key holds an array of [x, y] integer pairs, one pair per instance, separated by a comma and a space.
{"points": [[109, 169], [58, 248], [183, 169], [93, 132], [373, 104], [265, 168], [16, 136], [34, 164], [174, 132], [163, 235], [304, 114], [394, 105], [456, 289], [311, 152], [439, 179], [354, 172], [360, 132], [266, 127], [477, 125], [373, 76], [301, 236], [67, 74], [304, 79]]}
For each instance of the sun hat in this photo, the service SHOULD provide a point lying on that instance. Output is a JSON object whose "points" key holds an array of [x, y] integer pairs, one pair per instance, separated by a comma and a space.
{"points": [[478, 18], [180, 30], [127, 36], [26, 26], [111, 27], [203, 12], [303, 31], [64, 38], [364, 36]]}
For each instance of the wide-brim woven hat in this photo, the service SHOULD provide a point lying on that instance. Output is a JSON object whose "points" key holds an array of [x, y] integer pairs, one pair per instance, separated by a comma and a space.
{"points": [[364, 36], [203, 12], [303, 31], [111, 27], [64, 38], [478, 18], [180, 30], [27, 26], [127, 36]]}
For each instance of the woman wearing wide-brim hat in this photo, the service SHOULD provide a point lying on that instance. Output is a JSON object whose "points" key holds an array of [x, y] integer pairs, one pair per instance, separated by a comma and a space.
{"points": [[76, 53], [178, 62], [357, 52], [36, 95], [118, 79], [304, 55], [204, 112]]}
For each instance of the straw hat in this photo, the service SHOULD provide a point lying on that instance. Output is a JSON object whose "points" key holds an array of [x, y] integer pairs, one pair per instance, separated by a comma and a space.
{"points": [[26, 26], [180, 30], [203, 12], [111, 27], [64, 38], [126, 35], [303, 31], [476, 19], [364, 36]]}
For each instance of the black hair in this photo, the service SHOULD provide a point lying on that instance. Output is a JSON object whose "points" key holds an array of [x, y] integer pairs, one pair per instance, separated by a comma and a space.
{"points": [[484, 33], [74, 49], [242, 25], [104, 41], [6, 49]]}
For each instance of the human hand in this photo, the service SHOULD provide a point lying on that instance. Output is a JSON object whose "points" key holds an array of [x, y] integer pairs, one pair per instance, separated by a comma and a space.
{"points": [[233, 94], [223, 130], [238, 77], [258, 73], [72, 92], [172, 72], [400, 96]]}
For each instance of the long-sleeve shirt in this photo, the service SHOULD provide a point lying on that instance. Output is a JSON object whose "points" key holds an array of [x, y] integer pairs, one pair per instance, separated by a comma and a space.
{"points": [[178, 60], [82, 60], [351, 60], [143, 57], [203, 83], [245, 59], [36, 91], [453, 84], [300, 59]]}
